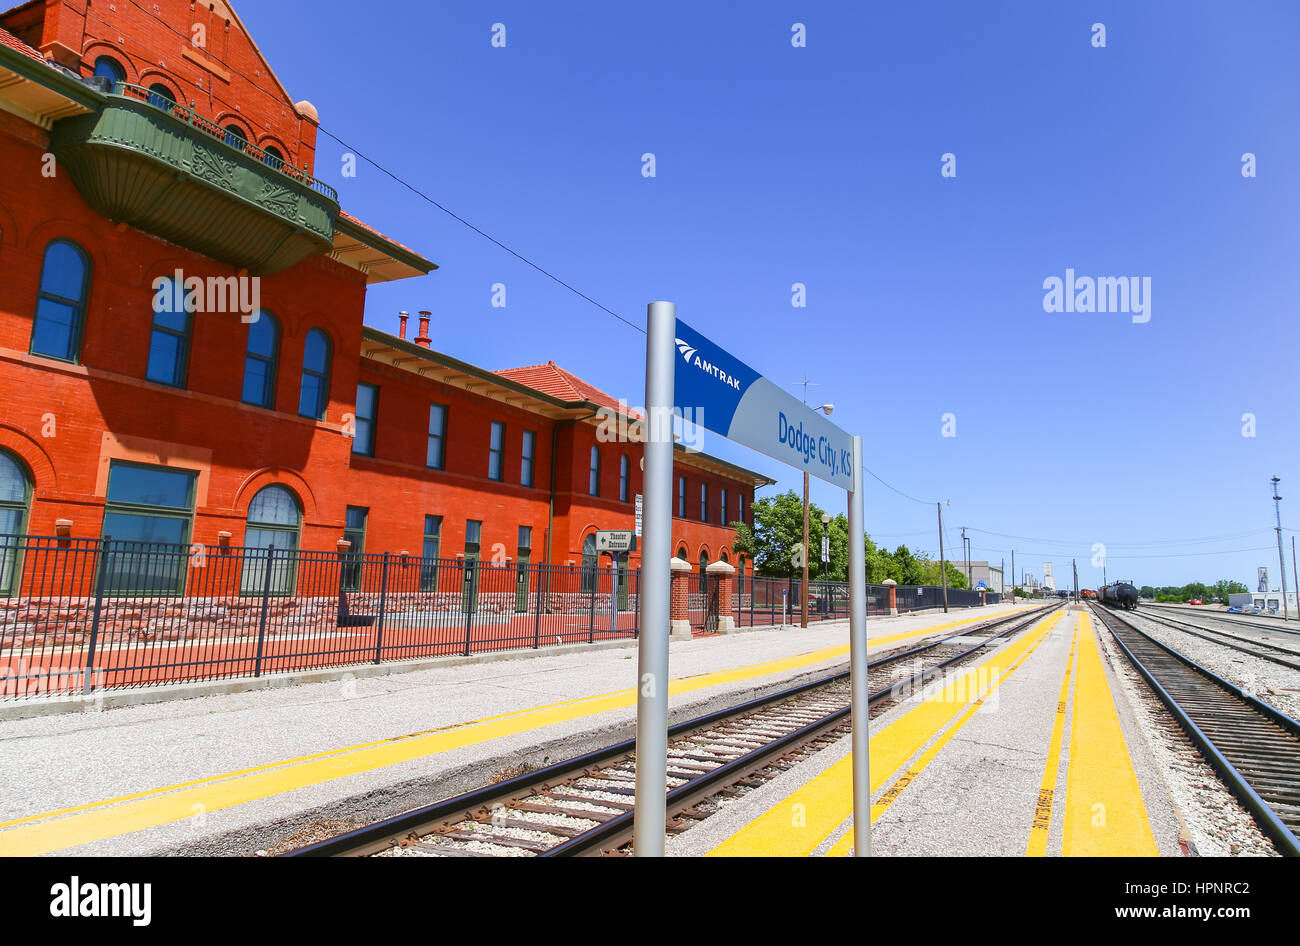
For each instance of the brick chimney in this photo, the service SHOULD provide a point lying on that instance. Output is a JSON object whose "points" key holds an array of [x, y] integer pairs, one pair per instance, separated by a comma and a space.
{"points": [[401, 322], [423, 339]]}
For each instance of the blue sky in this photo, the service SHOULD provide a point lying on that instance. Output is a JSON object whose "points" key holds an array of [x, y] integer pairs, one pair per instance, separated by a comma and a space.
{"points": [[821, 165]]}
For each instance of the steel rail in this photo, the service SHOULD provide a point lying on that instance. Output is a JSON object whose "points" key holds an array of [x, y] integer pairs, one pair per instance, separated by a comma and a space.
{"points": [[1268, 819], [376, 837], [1193, 629]]}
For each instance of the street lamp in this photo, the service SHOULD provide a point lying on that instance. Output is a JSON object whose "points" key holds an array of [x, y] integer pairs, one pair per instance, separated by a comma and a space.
{"points": [[803, 588]]}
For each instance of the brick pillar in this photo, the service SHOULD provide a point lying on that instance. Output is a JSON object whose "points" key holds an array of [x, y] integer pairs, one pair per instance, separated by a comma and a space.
{"points": [[983, 600], [725, 575], [680, 626], [893, 596]]}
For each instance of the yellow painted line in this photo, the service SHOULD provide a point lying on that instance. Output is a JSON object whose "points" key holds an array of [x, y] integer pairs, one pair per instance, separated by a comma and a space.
{"points": [[799, 823], [1042, 824], [95, 821], [1105, 815]]}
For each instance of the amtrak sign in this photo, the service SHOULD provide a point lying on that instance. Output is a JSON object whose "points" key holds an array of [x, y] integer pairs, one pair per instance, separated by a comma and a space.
{"points": [[725, 395]]}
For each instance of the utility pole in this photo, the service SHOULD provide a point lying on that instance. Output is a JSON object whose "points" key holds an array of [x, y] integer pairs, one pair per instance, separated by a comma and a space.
{"points": [[965, 556], [1281, 559], [1013, 576], [1002, 570], [943, 564], [1075, 568], [1297, 574]]}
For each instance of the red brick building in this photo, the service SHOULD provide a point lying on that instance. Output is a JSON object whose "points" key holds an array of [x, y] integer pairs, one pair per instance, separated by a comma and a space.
{"points": [[246, 403]]}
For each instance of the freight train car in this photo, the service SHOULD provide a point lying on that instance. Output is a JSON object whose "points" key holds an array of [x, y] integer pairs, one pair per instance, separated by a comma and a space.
{"points": [[1119, 594]]}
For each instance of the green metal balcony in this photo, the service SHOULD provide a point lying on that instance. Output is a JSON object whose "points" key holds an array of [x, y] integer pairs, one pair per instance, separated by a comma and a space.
{"points": [[160, 167]]}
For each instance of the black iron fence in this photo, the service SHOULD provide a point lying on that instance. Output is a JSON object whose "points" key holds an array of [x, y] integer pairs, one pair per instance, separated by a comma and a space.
{"points": [[81, 615]]}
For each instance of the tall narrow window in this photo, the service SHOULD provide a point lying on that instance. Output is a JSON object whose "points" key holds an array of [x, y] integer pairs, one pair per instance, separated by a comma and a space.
{"points": [[61, 301], [429, 553], [526, 458], [704, 571], [314, 395], [162, 97], [106, 67], [704, 502], [590, 562], [363, 439], [169, 343], [497, 451], [147, 516], [722, 506], [624, 473], [354, 530], [681, 497], [740, 507], [473, 537], [274, 522], [473, 545], [15, 495], [593, 478], [435, 456], [260, 360]]}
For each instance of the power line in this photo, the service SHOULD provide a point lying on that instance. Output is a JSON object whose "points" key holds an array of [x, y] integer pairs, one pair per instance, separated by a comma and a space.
{"points": [[400, 180]]}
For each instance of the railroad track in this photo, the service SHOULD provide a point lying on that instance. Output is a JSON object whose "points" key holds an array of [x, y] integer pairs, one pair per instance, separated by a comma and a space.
{"points": [[1203, 632], [1272, 625], [1253, 746], [584, 806]]}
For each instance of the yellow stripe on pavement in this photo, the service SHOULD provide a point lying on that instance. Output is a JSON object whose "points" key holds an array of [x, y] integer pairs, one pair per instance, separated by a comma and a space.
{"points": [[1038, 831], [95, 821], [1105, 815], [800, 822]]}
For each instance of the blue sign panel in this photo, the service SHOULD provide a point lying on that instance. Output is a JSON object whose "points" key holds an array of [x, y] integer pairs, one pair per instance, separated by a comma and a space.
{"points": [[721, 393]]}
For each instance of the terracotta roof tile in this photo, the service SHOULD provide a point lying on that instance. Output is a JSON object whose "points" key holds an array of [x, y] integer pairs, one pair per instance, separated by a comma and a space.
{"points": [[551, 379], [13, 42]]}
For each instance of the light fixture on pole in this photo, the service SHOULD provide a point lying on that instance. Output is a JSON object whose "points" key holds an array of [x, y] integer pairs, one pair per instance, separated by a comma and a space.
{"points": [[1281, 558]]}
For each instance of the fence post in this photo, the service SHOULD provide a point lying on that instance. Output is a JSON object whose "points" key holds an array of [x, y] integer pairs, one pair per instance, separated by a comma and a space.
{"points": [[87, 684], [383, 600], [591, 606], [537, 616], [470, 579], [266, 605]]}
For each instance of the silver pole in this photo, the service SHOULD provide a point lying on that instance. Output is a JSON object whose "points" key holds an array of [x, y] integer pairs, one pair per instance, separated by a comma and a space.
{"points": [[858, 662], [652, 652]]}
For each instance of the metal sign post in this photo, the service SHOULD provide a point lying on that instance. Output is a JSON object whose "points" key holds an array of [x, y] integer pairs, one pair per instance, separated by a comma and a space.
{"points": [[858, 662], [652, 648], [719, 392]]}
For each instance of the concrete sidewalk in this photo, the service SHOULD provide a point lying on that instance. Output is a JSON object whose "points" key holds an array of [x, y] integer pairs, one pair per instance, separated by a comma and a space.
{"points": [[238, 772]]}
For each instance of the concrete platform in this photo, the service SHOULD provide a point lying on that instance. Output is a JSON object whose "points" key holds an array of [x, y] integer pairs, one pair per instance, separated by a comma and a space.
{"points": [[1038, 755], [238, 772]]}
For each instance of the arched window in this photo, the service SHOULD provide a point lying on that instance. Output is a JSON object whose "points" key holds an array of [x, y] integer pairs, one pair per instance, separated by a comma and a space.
{"points": [[315, 393], [169, 343], [593, 480], [162, 97], [260, 360], [106, 67], [681, 553], [590, 561], [704, 574], [235, 137], [724, 556], [15, 495], [624, 474], [61, 302], [274, 521], [273, 156]]}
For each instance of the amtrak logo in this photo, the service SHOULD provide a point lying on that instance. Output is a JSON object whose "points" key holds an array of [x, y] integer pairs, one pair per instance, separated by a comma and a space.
{"points": [[708, 368]]}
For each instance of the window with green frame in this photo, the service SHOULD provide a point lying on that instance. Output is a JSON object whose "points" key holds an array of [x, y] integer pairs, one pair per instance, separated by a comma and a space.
{"points": [[147, 520], [354, 530], [363, 435], [61, 301], [274, 522], [15, 498], [169, 342], [429, 553]]}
